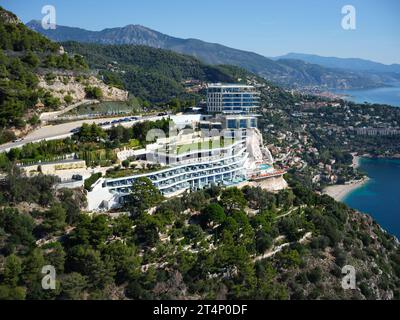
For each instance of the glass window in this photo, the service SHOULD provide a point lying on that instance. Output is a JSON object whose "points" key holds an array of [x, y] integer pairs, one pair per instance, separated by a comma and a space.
{"points": [[231, 124]]}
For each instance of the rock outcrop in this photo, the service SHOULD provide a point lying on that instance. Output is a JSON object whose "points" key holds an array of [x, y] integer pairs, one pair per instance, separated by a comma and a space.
{"points": [[9, 18], [67, 85]]}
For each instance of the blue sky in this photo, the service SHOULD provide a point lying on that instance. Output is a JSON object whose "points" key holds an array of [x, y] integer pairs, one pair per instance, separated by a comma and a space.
{"points": [[267, 27]]}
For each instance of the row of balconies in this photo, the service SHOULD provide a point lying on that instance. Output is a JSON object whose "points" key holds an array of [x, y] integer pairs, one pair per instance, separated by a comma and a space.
{"points": [[201, 181], [194, 176], [176, 172], [187, 184], [183, 178]]}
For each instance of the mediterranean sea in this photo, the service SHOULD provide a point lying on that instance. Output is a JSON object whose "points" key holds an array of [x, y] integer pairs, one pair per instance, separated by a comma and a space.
{"points": [[385, 95], [380, 196]]}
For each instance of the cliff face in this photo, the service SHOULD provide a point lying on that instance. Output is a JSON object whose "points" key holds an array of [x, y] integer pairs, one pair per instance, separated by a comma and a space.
{"points": [[374, 255], [38, 75], [73, 86]]}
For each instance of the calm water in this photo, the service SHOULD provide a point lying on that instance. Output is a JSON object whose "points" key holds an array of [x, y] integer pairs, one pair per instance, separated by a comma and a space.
{"points": [[388, 95], [380, 197]]}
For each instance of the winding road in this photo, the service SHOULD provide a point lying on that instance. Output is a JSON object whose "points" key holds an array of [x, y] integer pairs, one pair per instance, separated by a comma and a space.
{"points": [[62, 131]]}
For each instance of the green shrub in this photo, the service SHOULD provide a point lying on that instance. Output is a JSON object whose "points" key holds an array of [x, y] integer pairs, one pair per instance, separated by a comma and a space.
{"points": [[34, 120], [68, 99], [315, 275], [6, 136], [94, 93], [92, 180]]}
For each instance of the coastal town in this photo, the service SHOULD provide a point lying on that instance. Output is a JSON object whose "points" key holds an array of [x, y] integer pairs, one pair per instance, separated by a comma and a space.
{"points": [[324, 146]]}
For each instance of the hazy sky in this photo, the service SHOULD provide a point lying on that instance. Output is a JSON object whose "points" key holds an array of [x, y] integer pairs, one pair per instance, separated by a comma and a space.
{"points": [[267, 27]]}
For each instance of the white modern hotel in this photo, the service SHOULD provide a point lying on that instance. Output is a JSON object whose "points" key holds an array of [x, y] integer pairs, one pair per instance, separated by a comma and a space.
{"points": [[225, 148]]}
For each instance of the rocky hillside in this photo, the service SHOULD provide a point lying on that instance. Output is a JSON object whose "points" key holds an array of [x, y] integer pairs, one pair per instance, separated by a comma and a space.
{"points": [[9, 18], [72, 89], [211, 244], [364, 246], [37, 75]]}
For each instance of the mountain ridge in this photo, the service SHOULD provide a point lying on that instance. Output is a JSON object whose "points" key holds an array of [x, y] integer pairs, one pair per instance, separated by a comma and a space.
{"points": [[356, 64], [159, 75], [280, 72]]}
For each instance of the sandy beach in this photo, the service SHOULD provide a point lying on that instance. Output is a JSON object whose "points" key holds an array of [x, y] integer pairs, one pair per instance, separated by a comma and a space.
{"points": [[339, 192]]}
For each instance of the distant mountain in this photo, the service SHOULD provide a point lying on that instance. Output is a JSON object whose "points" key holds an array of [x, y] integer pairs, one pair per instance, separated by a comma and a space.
{"points": [[36, 75], [343, 63], [292, 73], [210, 53]]}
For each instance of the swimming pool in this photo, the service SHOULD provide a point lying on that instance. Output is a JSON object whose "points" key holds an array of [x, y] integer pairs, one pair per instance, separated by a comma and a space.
{"points": [[265, 167]]}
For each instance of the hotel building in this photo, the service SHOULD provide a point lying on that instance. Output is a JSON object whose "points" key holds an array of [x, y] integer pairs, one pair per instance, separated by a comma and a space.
{"points": [[226, 149], [230, 99]]}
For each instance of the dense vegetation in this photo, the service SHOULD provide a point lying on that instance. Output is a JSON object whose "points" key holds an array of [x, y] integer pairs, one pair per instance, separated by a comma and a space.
{"points": [[22, 53], [91, 143], [154, 75], [207, 244]]}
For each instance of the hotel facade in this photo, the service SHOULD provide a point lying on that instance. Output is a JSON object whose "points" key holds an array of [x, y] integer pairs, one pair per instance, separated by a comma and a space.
{"points": [[225, 148], [232, 99]]}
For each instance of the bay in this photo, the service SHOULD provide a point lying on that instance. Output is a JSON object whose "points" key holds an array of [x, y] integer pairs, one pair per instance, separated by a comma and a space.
{"points": [[386, 95], [380, 197]]}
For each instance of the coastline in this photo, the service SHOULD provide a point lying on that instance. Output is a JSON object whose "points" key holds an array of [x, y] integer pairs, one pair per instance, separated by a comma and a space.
{"points": [[386, 94], [340, 191], [356, 161]]}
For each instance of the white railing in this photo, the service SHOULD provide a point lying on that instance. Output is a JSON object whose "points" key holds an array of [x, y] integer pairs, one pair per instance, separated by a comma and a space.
{"points": [[239, 154], [181, 176]]}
